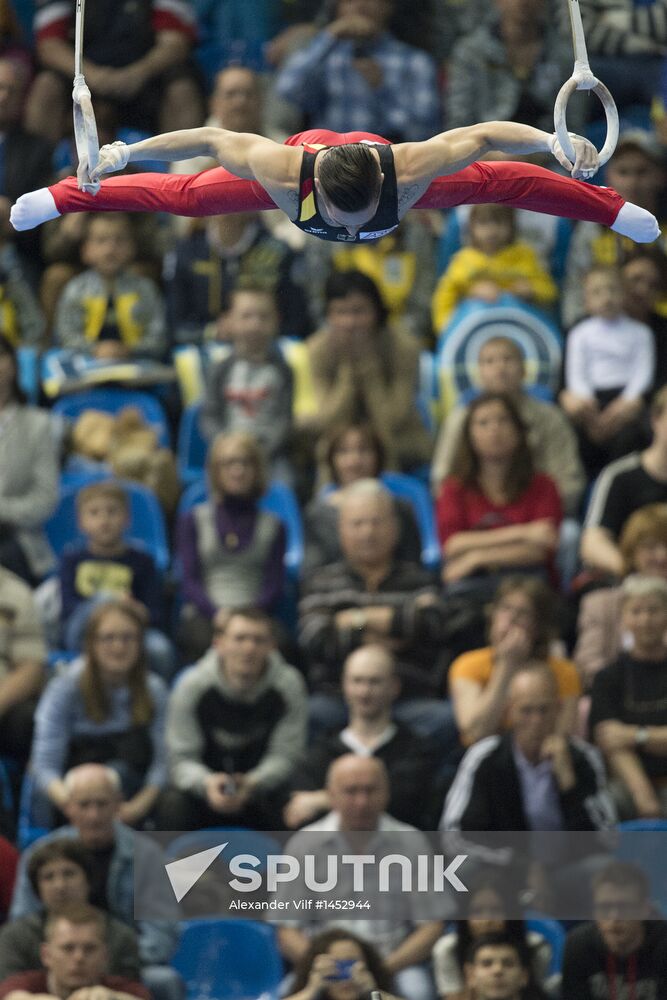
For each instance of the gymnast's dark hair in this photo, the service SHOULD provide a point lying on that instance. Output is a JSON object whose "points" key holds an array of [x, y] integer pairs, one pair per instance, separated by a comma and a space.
{"points": [[350, 176]]}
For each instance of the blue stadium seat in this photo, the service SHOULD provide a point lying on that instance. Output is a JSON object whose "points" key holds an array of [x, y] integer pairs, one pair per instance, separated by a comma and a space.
{"points": [[28, 372], [280, 500], [553, 932], [644, 825], [113, 400], [35, 814], [229, 960], [191, 446], [241, 839], [147, 526], [409, 488]]}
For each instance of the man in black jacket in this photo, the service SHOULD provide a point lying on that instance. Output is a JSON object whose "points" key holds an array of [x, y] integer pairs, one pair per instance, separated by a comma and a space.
{"points": [[623, 953], [531, 778], [370, 687]]}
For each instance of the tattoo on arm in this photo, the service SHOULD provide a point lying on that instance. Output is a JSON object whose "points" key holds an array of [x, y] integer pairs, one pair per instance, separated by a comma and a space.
{"points": [[407, 195]]}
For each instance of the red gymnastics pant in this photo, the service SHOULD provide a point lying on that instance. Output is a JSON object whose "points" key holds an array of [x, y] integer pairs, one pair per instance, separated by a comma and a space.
{"points": [[217, 192]]}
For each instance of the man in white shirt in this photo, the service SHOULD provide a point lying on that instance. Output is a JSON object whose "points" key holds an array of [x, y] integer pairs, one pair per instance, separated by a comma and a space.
{"points": [[358, 789]]}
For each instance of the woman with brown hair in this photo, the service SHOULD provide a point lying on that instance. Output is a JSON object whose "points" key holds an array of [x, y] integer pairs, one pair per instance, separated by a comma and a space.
{"points": [[231, 552], [107, 709], [339, 965], [495, 514], [349, 452], [522, 630], [600, 633]]}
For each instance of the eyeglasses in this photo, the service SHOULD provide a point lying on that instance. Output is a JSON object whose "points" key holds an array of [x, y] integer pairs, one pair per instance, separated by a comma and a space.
{"points": [[108, 638]]}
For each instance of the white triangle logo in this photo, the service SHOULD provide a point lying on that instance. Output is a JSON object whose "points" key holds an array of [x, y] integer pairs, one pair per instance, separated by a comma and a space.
{"points": [[185, 872]]}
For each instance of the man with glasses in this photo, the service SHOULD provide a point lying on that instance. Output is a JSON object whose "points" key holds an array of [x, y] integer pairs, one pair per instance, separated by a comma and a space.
{"points": [[622, 955]]}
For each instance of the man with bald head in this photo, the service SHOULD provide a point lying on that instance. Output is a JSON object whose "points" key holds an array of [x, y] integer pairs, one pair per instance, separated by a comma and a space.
{"points": [[370, 688], [531, 777], [372, 597], [94, 796], [358, 792]]}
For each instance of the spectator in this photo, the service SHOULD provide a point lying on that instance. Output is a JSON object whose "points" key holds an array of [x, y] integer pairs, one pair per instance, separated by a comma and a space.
{"points": [[403, 266], [609, 366], [532, 777], [510, 68], [338, 965], [107, 311], [487, 903], [22, 660], [26, 158], [228, 252], [359, 792], [231, 551], [251, 390], [351, 451], [522, 630], [109, 709], [623, 487], [28, 476], [499, 969], [495, 514], [236, 728], [626, 44], [495, 262], [553, 445], [106, 567], [60, 875], [363, 369], [644, 277], [356, 75], [75, 961], [625, 949], [138, 64], [601, 635], [123, 865], [370, 687], [371, 597], [628, 716], [637, 172]]}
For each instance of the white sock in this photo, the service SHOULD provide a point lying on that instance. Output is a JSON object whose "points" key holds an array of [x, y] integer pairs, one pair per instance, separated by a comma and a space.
{"points": [[32, 209], [637, 223]]}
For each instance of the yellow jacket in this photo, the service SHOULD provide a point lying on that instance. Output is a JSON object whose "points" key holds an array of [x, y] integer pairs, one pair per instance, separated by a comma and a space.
{"points": [[517, 261]]}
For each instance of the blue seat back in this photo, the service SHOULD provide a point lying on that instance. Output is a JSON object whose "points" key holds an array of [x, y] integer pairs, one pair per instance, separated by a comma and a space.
{"points": [[229, 960], [553, 932], [280, 500], [409, 488], [191, 446], [241, 840], [113, 400], [146, 524]]}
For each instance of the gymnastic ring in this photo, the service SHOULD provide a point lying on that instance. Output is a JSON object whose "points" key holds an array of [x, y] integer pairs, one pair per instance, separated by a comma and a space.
{"points": [[85, 126], [587, 82]]}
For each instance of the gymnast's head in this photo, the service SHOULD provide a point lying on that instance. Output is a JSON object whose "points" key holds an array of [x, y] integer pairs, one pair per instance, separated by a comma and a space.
{"points": [[349, 183]]}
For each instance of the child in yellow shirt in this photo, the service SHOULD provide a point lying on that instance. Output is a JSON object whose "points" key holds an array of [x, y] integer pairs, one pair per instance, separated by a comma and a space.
{"points": [[495, 262]]}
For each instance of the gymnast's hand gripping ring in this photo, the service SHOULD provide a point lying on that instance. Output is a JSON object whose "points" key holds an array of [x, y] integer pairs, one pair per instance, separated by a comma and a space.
{"points": [[85, 126], [583, 79]]}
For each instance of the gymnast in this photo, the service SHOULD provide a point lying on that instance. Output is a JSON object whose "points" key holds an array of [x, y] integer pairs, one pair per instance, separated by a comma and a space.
{"points": [[346, 187]]}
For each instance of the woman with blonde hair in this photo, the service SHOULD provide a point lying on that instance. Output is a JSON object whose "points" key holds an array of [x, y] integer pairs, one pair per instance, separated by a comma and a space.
{"points": [[107, 708], [600, 633], [231, 552]]}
